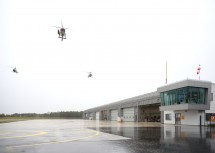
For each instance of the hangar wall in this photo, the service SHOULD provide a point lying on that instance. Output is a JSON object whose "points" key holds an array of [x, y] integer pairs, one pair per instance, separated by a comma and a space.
{"points": [[130, 109], [169, 105]]}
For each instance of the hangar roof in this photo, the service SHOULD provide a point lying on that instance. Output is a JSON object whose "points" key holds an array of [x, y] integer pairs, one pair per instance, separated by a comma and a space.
{"points": [[133, 101]]}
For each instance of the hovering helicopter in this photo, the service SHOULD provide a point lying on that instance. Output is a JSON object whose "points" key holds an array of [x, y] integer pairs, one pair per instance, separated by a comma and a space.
{"points": [[15, 70], [90, 75], [61, 32]]}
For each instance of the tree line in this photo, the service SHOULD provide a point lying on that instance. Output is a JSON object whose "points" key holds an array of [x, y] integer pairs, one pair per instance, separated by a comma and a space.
{"points": [[63, 115]]}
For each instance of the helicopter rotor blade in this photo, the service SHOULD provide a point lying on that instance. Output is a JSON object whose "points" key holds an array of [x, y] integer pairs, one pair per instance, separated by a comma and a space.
{"points": [[56, 27], [10, 66]]}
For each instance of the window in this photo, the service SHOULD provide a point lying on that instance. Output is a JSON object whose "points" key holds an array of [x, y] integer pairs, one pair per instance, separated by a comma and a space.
{"points": [[180, 96], [202, 96], [187, 94], [168, 116], [192, 95]]}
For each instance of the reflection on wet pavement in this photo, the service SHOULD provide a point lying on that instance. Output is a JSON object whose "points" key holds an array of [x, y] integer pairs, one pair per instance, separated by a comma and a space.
{"points": [[167, 138]]}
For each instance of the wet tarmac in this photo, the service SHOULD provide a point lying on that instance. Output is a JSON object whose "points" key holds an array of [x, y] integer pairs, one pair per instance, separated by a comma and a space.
{"points": [[166, 139], [80, 136]]}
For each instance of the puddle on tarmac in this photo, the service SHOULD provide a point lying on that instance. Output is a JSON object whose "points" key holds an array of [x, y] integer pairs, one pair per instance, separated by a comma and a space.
{"points": [[165, 139]]}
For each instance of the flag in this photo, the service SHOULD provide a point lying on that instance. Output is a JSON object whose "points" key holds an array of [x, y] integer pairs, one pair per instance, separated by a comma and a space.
{"points": [[198, 70]]}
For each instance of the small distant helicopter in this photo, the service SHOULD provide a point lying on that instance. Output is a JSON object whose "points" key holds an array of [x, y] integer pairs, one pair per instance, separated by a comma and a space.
{"points": [[90, 75], [61, 32], [15, 70]]}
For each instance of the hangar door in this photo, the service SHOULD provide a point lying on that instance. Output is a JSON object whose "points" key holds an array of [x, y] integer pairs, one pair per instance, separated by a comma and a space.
{"points": [[114, 115], [97, 115], [91, 116], [128, 114]]}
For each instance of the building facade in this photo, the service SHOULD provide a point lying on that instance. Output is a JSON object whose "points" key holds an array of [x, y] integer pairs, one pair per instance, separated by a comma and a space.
{"points": [[188, 102]]}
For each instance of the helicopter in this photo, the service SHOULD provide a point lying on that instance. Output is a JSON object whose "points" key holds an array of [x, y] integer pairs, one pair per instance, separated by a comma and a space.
{"points": [[61, 32], [15, 70], [90, 75]]}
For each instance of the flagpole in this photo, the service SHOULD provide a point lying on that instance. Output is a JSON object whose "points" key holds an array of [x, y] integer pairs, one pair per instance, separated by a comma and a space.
{"points": [[166, 72], [198, 71]]}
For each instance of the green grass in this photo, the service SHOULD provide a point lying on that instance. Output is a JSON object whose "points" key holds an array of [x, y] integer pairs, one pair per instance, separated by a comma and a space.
{"points": [[15, 119], [7, 120]]}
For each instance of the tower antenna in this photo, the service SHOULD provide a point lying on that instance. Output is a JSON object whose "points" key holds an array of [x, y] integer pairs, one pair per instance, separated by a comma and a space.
{"points": [[166, 72]]}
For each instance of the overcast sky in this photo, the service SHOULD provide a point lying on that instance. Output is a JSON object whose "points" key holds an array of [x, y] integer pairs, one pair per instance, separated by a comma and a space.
{"points": [[125, 43]]}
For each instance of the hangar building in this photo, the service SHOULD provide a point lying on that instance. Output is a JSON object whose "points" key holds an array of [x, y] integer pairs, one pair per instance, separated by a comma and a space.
{"points": [[187, 102]]}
